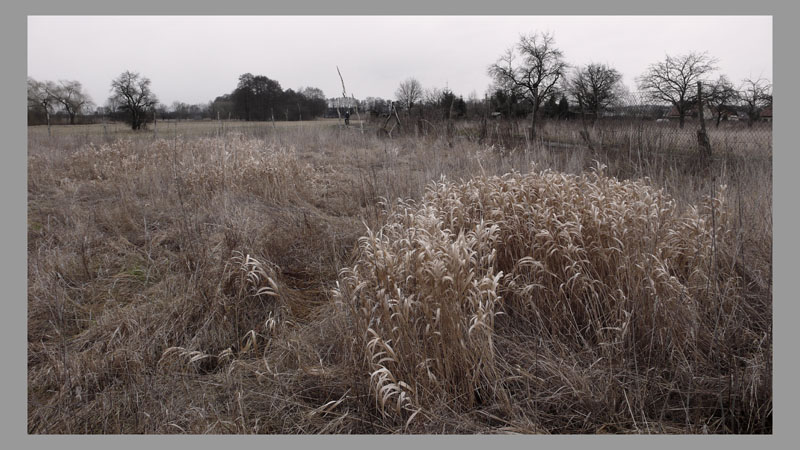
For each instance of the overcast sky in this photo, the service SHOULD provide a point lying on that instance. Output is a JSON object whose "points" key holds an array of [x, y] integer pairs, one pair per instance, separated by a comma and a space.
{"points": [[194, 59]]}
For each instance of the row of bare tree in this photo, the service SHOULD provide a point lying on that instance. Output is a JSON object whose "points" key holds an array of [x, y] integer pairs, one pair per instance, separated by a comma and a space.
{"points": [[48, 96], [131, 97], [535, 70], [132, 100]]}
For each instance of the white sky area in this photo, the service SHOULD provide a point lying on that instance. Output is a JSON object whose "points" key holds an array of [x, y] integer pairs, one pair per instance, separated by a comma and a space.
{"points": [[194, 59]]}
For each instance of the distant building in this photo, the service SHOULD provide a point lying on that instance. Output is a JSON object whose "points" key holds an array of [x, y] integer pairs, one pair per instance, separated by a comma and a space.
{"points": [[339, 105], [766, 114], [691, 113], [342, 102], [728, 113]]}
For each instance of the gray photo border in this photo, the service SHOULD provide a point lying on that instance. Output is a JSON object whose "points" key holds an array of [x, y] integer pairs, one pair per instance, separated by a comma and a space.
{"points": [[14, 201]]}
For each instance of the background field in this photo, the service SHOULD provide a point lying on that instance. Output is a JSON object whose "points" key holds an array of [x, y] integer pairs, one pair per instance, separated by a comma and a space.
{"points": [[169, 128], [200, 279]]}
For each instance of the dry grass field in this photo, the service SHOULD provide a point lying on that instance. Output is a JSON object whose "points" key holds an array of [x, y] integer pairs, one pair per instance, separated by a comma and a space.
{"points": [[306, 278]]}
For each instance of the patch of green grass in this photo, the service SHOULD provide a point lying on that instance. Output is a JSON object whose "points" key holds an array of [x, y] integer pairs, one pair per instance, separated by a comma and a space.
{"points": [[136, 272]]}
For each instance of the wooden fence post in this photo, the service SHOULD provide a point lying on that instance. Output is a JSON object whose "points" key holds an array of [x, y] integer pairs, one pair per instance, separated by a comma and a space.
{"points": [[702, 136]]}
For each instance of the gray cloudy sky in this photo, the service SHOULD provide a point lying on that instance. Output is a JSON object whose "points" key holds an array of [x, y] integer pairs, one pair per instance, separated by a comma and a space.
{"points": [[193, 59]]}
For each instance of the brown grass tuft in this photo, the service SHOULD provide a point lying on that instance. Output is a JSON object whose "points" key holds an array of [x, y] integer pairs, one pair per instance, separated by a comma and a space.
{"points": [[608, 275]]}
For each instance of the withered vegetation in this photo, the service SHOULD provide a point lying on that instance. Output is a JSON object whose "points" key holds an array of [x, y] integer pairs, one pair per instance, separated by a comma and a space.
{"points": [[312, 279]]}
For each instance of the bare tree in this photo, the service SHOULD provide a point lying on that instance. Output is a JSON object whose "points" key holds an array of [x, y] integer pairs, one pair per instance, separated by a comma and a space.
{"points": [[674, 80], [595, 87], [132, 93], [755, 95], [71, 97], [721, 95], [534, 77], [40, 98], [409, 92], [431, 96], [312, 93], [112, 108], [180, 109]]}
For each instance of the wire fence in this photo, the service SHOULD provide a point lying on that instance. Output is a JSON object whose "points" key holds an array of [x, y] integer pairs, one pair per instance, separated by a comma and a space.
{"points": [[632, 124]]}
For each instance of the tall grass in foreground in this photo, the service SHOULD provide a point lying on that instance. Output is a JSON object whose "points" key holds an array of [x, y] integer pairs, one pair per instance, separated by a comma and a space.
{"points": [[189, 285], [606, 286]]}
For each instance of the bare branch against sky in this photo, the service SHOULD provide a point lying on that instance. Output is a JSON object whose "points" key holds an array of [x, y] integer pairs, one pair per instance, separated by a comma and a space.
{"points": [[193, 59]]}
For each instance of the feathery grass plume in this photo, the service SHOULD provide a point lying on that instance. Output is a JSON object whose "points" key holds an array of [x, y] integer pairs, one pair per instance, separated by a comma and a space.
{"points": [[586, 260], [424, 300]]}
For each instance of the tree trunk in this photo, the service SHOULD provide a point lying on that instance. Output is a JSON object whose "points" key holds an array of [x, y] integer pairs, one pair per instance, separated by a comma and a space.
{"points": [[533, 122], [681, 118]]}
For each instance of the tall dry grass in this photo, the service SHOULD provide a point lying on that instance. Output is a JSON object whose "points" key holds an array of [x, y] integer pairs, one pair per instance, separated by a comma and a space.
{"points": [[188, 284], [609, 280]]}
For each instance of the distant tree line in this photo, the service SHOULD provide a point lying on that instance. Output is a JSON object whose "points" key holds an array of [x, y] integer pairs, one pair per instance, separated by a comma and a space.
{"points": [[435, 102], [531, 80], [48, 100], [256, 97], [531, 75]]}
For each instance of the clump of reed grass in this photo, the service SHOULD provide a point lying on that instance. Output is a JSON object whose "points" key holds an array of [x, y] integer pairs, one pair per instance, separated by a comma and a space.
{"points": [[585, 265], [423, 299]]}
